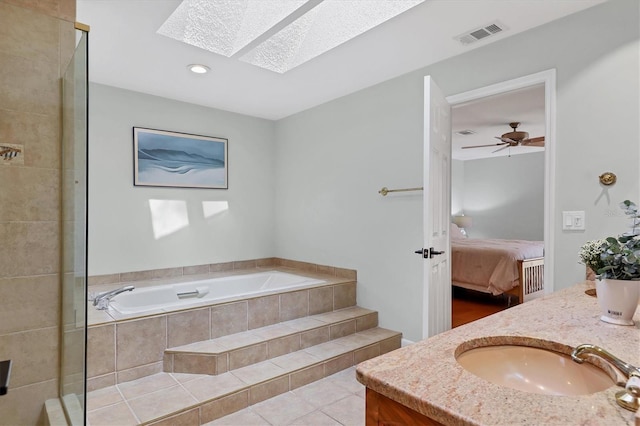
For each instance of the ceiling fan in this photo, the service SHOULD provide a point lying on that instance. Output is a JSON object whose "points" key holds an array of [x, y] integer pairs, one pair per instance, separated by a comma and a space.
{"points": [[513, 138]]}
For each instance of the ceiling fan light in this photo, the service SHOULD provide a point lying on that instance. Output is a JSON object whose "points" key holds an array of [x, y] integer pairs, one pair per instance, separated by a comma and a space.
{"points": [[516, 136]]}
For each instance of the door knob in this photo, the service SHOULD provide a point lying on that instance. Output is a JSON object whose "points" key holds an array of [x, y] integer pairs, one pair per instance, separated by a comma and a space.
{"points": [[428, 253], [433, 252]]}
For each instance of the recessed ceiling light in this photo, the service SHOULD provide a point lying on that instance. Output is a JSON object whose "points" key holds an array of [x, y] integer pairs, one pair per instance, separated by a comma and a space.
{"points": [[198, 68]]}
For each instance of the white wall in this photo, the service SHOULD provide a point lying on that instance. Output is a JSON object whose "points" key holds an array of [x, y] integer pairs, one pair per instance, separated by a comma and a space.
{"points": [[332, 159], [121, 236], [505, 197], [325, 165], [457, 187]]}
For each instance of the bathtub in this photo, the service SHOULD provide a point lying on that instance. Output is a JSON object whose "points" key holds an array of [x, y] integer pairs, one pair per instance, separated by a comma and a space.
{"points": [[171, 297]]}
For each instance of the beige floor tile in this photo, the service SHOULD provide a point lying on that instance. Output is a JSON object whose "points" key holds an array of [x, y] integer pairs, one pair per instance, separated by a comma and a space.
{"points": [[378, 333], [161, 403], [186, 377], [118, 414], [238, 340], [295, 361], [326, 350], [315, 418], [347, 380], [302, 324], [244, 417], [343, 314], [273, 331], [145, 385], [209, 387], [321, 393], [283, 409], [101, 398], [348, 411], [208, 346], [259, 372], [357, 340], [351, 342]]}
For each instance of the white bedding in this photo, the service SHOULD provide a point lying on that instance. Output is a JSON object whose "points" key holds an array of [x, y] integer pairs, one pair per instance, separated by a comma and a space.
{"points": [[490, 264]]}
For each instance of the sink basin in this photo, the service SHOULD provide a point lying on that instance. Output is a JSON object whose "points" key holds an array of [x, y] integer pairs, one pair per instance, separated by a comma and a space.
{"points": [[534, 370]]}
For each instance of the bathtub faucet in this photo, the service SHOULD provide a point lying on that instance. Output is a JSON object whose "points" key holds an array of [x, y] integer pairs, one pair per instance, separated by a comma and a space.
{"points": [[101, 300]]}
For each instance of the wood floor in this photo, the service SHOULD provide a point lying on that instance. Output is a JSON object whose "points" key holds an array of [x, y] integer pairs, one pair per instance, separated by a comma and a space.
{"points": [[468, 305]]}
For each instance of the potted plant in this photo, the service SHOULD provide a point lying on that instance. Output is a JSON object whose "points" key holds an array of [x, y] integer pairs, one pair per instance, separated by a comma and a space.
{"points": [[616, 263]]}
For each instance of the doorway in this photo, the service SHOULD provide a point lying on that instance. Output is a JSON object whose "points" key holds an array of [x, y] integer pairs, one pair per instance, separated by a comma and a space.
{"points": [[548, 80]]}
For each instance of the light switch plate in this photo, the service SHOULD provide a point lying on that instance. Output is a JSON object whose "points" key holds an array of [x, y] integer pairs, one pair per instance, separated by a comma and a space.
{"points": [[573, 220]]}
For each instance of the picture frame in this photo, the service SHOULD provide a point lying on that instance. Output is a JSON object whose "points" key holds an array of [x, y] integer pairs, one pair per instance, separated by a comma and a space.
{"points": [[174, 159]]}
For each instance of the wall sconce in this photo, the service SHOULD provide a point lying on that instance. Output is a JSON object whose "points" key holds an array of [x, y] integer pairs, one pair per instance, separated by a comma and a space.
{"points": [[463, 222], [608, 178]]}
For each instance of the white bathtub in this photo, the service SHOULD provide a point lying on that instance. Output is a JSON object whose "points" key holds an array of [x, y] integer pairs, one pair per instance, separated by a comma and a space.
{"points": [[171, 297]]}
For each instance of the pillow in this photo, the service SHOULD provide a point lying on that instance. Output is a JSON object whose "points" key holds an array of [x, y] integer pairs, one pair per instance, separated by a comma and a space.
{"points": [[455, 232]]}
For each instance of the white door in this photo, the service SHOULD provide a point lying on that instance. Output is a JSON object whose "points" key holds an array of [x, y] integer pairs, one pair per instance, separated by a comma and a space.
{"points": [[437, 211]]}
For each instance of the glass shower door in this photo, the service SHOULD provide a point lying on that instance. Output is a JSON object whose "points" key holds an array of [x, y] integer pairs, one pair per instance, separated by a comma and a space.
{"points": [[74, 233]]}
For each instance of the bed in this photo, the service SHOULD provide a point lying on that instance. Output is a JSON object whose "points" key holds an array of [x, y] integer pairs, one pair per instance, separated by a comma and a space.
{"points": [[497, 266]]}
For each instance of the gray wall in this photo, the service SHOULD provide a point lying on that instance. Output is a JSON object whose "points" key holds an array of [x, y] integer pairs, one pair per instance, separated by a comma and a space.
{"points": [[121, 236], [331, 160], [505, 197]]}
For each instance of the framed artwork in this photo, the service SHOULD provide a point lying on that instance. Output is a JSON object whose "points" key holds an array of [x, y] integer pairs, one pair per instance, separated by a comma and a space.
{"points": [[163, 158]]}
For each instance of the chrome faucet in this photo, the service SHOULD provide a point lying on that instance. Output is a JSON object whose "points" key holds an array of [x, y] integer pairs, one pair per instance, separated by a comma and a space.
{"points": [[580, 352], [101, 300], [629, 397]]}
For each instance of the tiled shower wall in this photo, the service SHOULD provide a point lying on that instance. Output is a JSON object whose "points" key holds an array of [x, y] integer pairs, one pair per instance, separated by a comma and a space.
{"points": [[36, 43]]}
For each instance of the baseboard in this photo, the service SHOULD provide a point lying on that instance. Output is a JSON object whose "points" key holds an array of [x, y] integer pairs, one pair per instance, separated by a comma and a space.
{"points": [[406, 342]]}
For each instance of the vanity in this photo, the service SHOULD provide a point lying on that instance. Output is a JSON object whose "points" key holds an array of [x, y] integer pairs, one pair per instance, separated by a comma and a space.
{"points": [[425, 384]]}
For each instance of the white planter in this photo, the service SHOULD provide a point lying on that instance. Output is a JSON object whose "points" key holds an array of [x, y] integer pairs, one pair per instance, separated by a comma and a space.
{"points": [[618, 300]]}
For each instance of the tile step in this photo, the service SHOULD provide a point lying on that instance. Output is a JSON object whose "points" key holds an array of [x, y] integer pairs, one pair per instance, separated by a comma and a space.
{"points": [[220, 355], [177, 398]]}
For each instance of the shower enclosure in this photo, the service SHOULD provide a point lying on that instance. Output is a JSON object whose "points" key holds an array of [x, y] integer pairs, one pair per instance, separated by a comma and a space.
{"points": [[74, 231]]}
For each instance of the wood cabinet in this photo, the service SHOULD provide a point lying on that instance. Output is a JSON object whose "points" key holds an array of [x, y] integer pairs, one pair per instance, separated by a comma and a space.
{"points": [[381, 410]]}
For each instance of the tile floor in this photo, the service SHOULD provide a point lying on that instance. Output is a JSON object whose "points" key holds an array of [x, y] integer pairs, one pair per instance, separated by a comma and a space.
{"points": [[335, 400]]}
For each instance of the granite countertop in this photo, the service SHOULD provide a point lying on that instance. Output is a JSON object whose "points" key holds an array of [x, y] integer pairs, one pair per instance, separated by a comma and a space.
{"points": [[426, 377]]}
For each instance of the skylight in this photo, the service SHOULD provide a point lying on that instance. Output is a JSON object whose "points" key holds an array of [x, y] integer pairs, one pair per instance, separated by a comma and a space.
{"points": [[277, 35], [225, 26]]}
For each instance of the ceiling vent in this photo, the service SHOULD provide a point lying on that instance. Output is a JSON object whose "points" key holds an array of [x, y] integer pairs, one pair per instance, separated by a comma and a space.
{"points": [[465, 132], [481, 33]]}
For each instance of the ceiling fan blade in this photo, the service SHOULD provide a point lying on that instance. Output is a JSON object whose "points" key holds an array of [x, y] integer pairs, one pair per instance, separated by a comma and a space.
{"points": [[539, 141], [504, 147], [480, 146], [506, 140], [538, 144]]}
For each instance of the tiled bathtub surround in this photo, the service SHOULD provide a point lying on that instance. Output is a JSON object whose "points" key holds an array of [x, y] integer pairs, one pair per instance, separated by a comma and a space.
{"points": [[127, 349], [227, 267]]}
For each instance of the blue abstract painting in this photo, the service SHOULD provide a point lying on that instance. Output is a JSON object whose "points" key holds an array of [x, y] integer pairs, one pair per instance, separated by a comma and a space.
{"points": [[165, 158]]}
